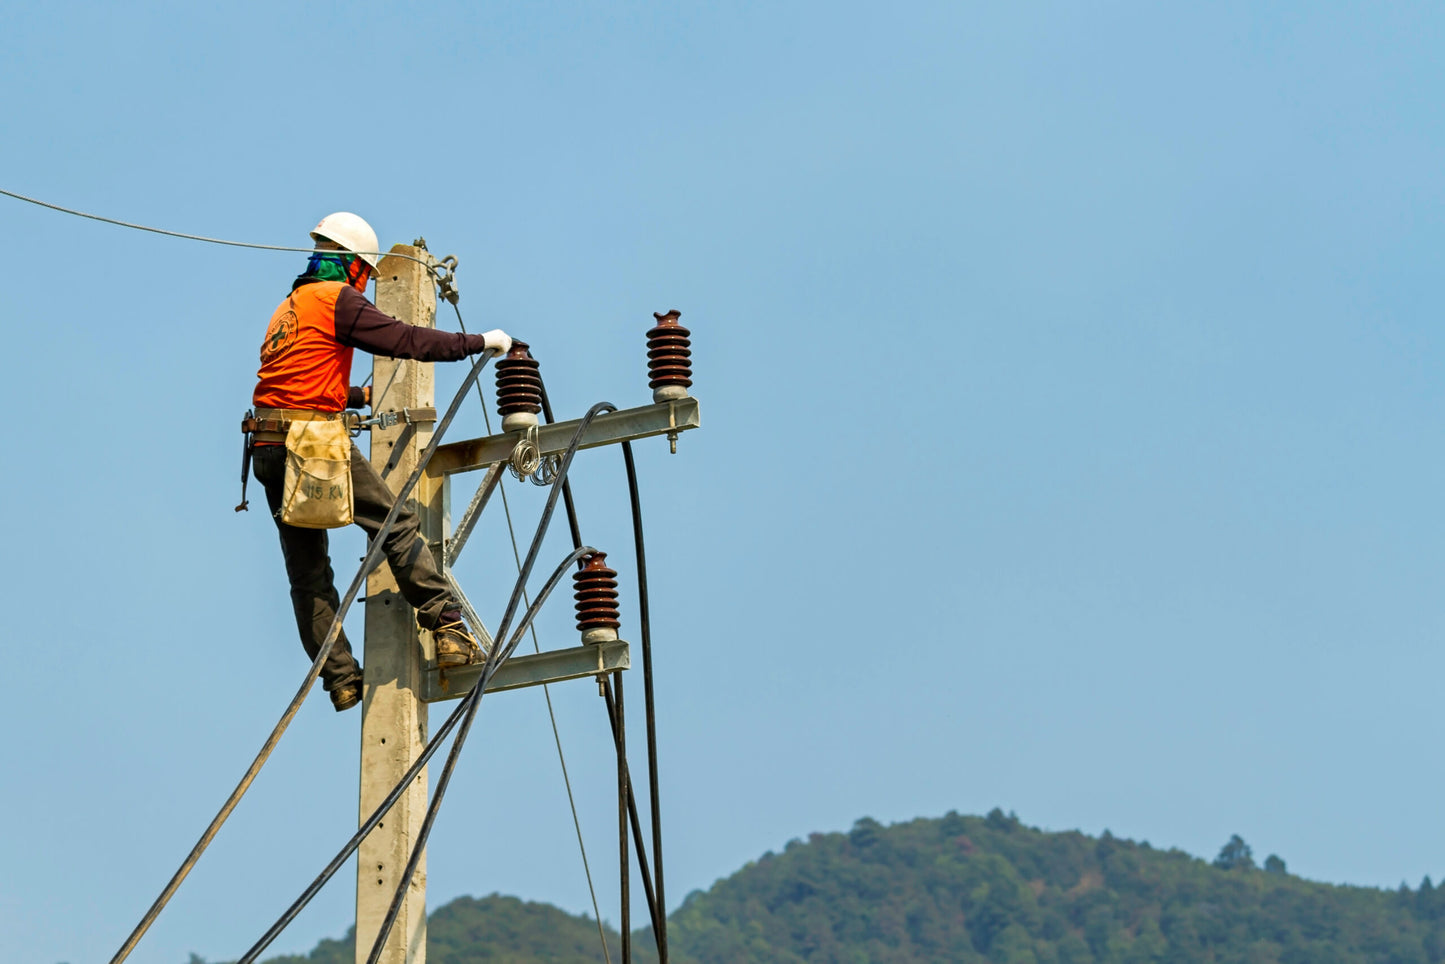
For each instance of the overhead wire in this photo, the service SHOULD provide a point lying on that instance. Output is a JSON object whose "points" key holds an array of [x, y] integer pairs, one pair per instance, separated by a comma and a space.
{"points": [[656, 903], [192, 237], [645, 631], [395, 794], [473, 700], [369, 562], [537, 647], [624, 798]]}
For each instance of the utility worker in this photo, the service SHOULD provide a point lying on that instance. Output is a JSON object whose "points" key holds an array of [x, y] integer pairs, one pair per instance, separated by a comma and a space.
{"points": [[304, 376]]}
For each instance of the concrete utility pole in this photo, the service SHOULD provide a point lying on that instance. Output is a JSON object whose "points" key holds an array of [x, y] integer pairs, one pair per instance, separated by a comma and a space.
{"points": [[393, 717]]}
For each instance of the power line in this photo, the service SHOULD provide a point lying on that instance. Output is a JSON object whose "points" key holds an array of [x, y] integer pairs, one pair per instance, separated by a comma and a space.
{"points": [[546, 691], [368, 562], [472, 700], [190, 237]]}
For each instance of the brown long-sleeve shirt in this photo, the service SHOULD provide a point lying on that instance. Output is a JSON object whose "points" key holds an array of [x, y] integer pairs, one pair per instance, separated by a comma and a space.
{"points": [[360, 324]]}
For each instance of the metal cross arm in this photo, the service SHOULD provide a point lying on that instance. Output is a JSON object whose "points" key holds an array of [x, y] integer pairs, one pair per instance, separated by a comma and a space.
{"points": [[662, 418], [533, 669], [492, 453]]}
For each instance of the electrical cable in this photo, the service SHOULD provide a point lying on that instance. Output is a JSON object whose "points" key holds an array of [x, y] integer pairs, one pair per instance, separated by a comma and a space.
{"points": [[198, 237], [378, 400], [645, 630], [557, 739], [473, 699], [372, 557], [655, 899], [396, 791], [656, 908], [614, 712], [624, 797], [349, 848], [566, 485], [537, 647]]}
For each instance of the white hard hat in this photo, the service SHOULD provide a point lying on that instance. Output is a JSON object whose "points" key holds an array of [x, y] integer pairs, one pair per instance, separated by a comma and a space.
{"points": [[352, 233]]}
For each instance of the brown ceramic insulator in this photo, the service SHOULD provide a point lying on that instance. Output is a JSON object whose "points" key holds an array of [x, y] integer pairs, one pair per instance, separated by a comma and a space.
{"points": [[519, 383], [669, 352], [596, 594]]}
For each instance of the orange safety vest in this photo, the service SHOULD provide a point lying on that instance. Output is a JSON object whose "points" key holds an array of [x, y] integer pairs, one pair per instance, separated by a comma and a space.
{"points": [[302, 363]]}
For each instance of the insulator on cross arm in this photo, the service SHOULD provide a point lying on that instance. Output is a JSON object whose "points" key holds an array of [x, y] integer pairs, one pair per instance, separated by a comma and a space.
{"points": [[519, 388], [669, 357], [597, 616]]}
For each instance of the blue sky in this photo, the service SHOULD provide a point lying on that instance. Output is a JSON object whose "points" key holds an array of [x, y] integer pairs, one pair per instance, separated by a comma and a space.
{"points": [[1069, 377]]}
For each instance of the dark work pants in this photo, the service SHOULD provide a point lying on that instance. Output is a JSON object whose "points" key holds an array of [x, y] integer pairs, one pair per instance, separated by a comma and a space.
{"points": [[308, 563]]}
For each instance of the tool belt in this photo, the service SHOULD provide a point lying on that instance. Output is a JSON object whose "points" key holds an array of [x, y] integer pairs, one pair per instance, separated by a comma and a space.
{"points": [[272, 425]]}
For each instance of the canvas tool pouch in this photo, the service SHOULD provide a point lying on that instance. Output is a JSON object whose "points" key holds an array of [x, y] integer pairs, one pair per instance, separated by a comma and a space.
{"points": [[317, 492]]}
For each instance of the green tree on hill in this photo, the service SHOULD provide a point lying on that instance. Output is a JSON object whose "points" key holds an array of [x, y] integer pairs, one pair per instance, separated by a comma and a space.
{"points": [[1235, 855]]}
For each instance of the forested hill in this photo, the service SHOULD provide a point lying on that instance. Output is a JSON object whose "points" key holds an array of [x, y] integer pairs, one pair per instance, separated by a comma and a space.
{"points": [[970, 889], [976, 889]]}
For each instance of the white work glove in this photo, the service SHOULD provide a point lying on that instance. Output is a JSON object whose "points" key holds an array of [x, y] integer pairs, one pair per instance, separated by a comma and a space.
{"points": [[497, 340]]}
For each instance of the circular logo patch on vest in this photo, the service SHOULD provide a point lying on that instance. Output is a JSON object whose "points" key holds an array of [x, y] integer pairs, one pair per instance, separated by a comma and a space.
{"points": [[280, 335]]}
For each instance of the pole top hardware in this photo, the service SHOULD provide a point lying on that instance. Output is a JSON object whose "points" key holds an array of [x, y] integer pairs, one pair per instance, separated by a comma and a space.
{"points": [[443, 272]]}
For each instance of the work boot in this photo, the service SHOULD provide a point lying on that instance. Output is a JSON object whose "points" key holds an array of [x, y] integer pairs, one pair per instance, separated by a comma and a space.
{"points": [[346, 695], [454, 645]]}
